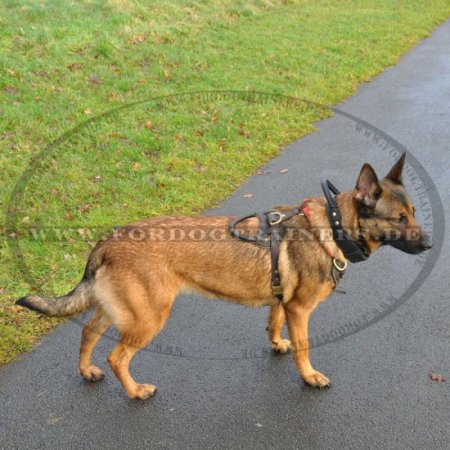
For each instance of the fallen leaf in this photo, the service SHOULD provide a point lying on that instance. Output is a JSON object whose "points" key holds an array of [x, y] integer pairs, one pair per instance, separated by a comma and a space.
{"points": [[83, 208], [148, 125], [247, 195], [263, 172], [201, 168], [244, 133], [94, 79], [136, 166], [53, 420], [74, 66], [17, 309], [41, 73], [10, 90], [88, 112], [97, 179], [26, 219], [436, 377], [284, 171], [139, 39]]}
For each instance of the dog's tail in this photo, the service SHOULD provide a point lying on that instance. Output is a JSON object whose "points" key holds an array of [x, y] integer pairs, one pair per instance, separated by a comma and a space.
{"points": [[77, 301]]}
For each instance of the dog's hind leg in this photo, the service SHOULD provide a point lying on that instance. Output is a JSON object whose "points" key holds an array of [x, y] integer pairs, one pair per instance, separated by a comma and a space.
{"points": [[91, 334], [274, 326], [135, 335]]}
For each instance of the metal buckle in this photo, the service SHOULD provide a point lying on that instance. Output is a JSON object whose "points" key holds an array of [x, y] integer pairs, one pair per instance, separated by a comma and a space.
{"points": [[276, 221], [340, 268], [277, 290]]}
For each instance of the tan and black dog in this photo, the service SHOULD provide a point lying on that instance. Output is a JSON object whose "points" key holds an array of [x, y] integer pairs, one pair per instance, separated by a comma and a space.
{"points": [[133, 276]]}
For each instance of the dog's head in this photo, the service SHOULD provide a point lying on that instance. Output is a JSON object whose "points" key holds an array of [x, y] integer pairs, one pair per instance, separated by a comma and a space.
{"points": [[386, 213]]}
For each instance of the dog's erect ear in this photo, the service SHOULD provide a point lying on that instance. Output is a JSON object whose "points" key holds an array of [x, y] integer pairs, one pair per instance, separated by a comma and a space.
{"points": [[367, 188], [395, 174]]}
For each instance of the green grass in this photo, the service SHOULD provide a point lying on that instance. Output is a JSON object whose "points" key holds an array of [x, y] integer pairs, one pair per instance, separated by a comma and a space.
{"points": [[63, 62]]}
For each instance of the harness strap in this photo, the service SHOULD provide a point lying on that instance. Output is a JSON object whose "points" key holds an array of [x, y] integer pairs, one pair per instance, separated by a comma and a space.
{"points": [[271, 232], [270, 235], [275, 242]]}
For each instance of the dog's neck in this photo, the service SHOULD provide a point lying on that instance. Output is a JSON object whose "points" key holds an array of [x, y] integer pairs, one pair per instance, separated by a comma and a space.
{"points": [[349, 214], [320, 224]]}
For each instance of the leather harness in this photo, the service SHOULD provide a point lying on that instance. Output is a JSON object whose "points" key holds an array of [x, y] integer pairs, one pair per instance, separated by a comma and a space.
{"points": [[271, 232]]}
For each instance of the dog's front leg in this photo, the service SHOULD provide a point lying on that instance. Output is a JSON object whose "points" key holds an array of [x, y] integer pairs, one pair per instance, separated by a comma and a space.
{"points": [[274, 326], [297, 317]]}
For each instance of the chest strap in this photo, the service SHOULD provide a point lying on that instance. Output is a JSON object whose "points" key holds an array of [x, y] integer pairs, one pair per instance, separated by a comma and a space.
{"points": [[269, 235]]}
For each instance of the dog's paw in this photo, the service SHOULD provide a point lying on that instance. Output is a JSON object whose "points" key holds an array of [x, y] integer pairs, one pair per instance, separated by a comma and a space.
{"points": [[144, 391], [92, 373], [316, 379], [281, 345]]}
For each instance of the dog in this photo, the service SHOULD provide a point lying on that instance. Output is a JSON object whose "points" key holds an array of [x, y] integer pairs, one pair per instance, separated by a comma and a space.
{"points": [[133, 276]]}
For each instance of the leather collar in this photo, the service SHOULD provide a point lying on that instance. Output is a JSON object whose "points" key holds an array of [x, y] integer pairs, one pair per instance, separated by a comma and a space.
{"points": [[353, 250]]}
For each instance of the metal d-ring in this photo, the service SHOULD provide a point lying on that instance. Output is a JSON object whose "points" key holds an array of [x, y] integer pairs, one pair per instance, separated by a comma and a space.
{"points": [[342, 267], [278, 220]]}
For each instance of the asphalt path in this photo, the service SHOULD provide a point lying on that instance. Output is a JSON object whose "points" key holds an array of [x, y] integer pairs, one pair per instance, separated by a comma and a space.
{"points": [[219, 386]]}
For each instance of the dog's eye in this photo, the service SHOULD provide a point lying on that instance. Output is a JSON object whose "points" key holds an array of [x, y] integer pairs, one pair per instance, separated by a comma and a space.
{"points": [[399, 220]]}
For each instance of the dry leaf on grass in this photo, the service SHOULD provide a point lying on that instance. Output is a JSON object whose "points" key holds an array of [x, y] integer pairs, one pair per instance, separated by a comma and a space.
{"points": [[83, 208], [201, 168], [74, 66], [10, 90], [139, 39], [94, 79]]}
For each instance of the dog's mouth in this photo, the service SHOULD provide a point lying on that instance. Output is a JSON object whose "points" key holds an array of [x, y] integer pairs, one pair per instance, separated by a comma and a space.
{"points": [[413, 243], [413, 247]]}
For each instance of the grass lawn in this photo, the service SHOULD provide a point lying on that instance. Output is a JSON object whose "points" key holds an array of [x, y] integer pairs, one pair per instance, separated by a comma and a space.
{"points": [[63, 62]]}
